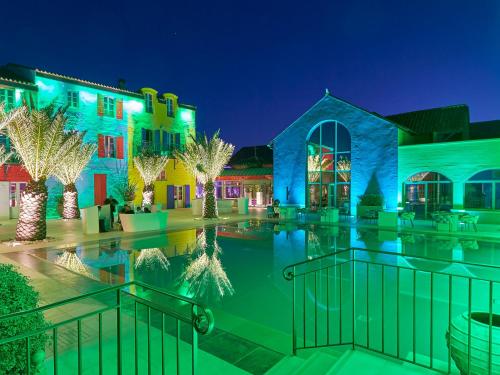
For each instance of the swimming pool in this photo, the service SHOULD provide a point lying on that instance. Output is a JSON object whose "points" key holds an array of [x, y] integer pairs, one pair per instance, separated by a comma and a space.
{"points": [[236, 269]]}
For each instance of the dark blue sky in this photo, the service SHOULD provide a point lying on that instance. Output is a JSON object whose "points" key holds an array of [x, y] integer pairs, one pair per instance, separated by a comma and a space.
{"points": [[252, 67]]}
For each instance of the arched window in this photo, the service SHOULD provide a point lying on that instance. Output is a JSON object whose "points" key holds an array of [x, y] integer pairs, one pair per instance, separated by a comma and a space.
{"points": [[427, 192], [329, 166], [483, 190]]}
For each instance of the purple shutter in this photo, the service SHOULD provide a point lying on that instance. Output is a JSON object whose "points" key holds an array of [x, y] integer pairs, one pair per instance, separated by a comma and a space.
{"points": [[170, 196], [187, 198]]}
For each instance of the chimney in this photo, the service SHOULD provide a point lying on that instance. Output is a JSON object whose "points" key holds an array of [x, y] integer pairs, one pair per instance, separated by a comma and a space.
{"points": [[121, 83]]}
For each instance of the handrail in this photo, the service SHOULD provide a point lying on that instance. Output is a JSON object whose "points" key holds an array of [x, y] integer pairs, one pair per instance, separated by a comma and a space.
{"points": [[289, 274], [202, 317]]}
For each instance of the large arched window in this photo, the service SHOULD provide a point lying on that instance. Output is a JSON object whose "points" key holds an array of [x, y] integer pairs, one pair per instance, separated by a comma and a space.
{"points": [[483, 190], [427, 192], [329, 166]]}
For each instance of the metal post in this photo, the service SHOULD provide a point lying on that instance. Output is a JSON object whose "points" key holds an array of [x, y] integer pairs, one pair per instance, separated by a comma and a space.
{"points": [[54, 339], [119, 331], [294, 332], [79, 344], [100, 343]]}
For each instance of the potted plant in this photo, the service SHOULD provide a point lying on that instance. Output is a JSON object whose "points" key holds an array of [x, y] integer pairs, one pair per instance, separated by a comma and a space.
{"points": [[16, 294], [458, 340], [369, 202], [126, 190]]}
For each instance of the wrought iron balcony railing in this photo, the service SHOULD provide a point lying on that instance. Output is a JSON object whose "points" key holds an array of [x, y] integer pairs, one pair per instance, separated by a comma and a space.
{"points": [[117, 329], [402, 306]]}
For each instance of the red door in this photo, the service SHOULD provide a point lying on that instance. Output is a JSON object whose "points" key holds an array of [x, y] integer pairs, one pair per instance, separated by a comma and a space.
{"points": [[99, 189]]}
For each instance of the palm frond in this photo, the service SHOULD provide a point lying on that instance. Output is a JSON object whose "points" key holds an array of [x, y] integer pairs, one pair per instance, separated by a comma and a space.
{"points": [[150, 166], [40, 141], [70, 168], [205, 158]]}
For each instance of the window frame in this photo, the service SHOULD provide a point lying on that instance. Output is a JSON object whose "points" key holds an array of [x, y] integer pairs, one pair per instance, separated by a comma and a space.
{"points": [[8, 96], [109, 106], [170, 107], [73, 99], [148, 102]]}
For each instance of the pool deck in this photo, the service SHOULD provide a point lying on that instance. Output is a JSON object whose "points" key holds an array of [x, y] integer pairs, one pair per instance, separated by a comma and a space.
{"points": [[56, 283]]}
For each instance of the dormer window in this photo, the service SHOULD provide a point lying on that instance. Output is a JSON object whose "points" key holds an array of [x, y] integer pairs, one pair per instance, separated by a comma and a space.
{"points": [[170, 107], [149, 103]]}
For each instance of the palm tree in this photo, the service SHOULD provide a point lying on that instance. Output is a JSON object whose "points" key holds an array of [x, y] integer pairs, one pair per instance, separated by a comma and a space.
{"points": [[149, 166], [40, 141], [205, 159], [68, 171]]}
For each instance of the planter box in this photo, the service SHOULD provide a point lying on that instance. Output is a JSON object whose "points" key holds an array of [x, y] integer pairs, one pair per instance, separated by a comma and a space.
{"points": [[224, 206], [362, 210], [196, 206], [243, 206], [144, 222]]}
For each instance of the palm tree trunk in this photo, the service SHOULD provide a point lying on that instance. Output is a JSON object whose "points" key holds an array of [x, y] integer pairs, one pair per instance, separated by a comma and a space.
{"points": [[32, 225], [209, 201], [148, 195], [70, 202]]}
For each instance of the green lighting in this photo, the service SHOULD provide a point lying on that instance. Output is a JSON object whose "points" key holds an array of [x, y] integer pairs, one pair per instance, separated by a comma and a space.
{"points": [[133, 106], [186, 116]]}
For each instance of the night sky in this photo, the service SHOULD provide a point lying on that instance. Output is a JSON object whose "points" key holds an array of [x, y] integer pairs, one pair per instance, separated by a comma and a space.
{"points": [[253, 67]]}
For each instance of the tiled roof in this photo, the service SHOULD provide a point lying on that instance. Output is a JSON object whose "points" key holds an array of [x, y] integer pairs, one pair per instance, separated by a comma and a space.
{"points": [[16, 82], [253, 156], [88, 83], [444, 119], [485, 130], [247, 172]]}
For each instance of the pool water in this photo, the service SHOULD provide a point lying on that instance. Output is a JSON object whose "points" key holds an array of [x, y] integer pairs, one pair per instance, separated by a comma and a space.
{"points": [[236, 269]]}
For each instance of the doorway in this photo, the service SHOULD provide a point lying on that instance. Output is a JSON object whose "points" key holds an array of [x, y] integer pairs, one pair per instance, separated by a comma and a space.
{"points": [[178, 196], [100, 192]]}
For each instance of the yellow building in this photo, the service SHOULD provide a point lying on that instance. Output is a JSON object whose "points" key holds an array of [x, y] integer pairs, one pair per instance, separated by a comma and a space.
{"points": [[164, 126]]}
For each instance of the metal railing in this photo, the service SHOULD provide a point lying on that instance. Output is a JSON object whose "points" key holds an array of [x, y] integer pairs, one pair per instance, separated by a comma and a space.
{"points": [[397, 305], [140, 329]]}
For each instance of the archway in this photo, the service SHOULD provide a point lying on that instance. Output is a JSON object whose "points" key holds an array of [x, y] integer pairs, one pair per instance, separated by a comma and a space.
{"points": [[427, 192], [329, 166]]}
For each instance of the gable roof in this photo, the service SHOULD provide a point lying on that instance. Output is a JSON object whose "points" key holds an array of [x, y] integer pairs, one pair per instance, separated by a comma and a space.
{"points": [[328, 94], [443, 119], [484, 129], [252, 156]]}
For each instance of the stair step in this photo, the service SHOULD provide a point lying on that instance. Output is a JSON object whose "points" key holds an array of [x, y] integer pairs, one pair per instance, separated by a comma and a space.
{"points": [[286, 366], [319, 363], [358, 361]]}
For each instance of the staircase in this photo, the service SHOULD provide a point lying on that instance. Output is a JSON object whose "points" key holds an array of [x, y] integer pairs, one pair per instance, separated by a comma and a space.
{"points": [[348, 362]]}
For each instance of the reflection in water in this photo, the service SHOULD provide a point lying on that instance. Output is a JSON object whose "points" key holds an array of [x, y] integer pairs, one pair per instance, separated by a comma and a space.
{"points": [[204, 274], [69, 259], [150, 257]]}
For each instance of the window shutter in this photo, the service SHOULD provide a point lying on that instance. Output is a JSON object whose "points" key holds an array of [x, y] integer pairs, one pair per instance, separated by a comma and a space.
{"points": [[170, 196], [177, 140], [119, 109], [100, 145], [157, 140], [187, 196], [165, 141], [100, 105], [119, 147]]}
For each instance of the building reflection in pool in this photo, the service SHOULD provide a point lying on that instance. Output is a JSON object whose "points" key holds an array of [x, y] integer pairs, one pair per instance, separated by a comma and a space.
{"points": [[204, 276]]}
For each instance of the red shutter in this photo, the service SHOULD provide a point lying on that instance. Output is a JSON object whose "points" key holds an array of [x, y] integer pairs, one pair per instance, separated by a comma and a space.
{"points": [[119, 109], [119, 147], [100, 146], [100, 105]]}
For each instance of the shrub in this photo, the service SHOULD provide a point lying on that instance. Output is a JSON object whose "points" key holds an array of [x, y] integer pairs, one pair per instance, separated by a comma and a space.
{"points": [[16, 294], [371, 200]]}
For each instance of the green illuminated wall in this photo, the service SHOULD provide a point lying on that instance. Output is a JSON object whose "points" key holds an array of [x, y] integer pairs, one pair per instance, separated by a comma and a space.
{"points": [[86, 118], [456, 160]]}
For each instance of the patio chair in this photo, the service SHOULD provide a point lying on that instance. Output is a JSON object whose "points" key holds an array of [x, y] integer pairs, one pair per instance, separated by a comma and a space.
{"points": [[270, 212], [407, 216], [468, 220]]}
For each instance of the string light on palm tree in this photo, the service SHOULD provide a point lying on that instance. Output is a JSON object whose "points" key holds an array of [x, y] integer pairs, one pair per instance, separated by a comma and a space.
{"points": [[150, 257], [40, 142], [149, 167], [69, 171], [205, 158]]}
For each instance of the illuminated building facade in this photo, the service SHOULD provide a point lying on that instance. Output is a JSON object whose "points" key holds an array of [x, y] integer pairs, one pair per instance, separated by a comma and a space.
{"points": [[114, 118], [424, 160]]}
